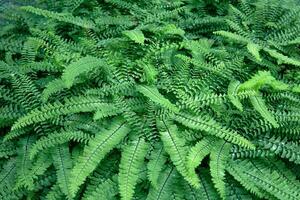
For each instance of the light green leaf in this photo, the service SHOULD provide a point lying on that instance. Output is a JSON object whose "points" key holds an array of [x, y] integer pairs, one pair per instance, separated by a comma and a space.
{"points": [[135, 35]]}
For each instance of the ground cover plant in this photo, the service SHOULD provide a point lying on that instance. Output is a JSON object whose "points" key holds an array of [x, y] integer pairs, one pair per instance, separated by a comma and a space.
{"points": [[155, 100]]}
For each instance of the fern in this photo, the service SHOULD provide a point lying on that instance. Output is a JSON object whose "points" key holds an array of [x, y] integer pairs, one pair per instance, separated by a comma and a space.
{"points": [[84, 65], [156, 165], [261, 107], [60, 16], [63, 164], [156, 100], [198, 152], [156, 97], [164, 189], [212, 127], [175, 147], [131, 162], [217, 164], [94, 152], [48, 111], [135, 35]]}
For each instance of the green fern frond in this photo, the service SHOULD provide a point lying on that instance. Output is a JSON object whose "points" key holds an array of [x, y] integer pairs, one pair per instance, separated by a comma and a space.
{"points": [[83, 65], [232, 91], [259, 105], [153, 94], [282, 58], [163, 191], [8, 175], [233, 36], [52, 110], [177, 151], [94, 152], [135, 35], [209, 125], [63, 17], [63, 164], [58, 138], [131, 163], [53, 87], [274, 183], [199, 151], [260, 79], [156, 164], [107, 189], [254, 50], [218, 159]]}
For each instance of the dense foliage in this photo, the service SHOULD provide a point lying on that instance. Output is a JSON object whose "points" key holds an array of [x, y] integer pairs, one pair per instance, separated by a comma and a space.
{"points": [[156, 99]]}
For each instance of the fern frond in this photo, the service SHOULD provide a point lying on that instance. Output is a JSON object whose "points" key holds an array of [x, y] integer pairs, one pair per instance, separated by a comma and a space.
{"points": [[233, 36], [163, 191], [282, 58], [135, 35], [218, 159], [63, 17], [177, 151], [232, 91], [156, 164], [51, 88], [83, 65], [63, 164], [107, 189], [259, 105], [8, 175], [199, 151], [153, 94], [94, 152], [52, 110], [274, 183], [254, 50], [260, 79], [131, 163], [209, 125], [58, 138]]}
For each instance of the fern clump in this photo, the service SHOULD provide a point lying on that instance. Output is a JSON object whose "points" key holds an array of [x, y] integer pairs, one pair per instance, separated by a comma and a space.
{"points": [[152, 100]]}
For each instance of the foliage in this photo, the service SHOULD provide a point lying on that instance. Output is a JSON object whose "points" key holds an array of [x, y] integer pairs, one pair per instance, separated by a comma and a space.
{"points": [[153, 100]]}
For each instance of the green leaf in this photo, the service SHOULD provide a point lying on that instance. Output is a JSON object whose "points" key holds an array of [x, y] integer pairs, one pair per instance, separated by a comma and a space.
{"points": [[199, 151], [232, 92], [131, 165], [218, 159], [163, 191], [63, 164], [156, 164], [153, 94], [209, 125], [260, 106], [282, 58], [254, 50], [135, 35], [52, 110], [83, 65], [94, 152], [177, 151]]}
